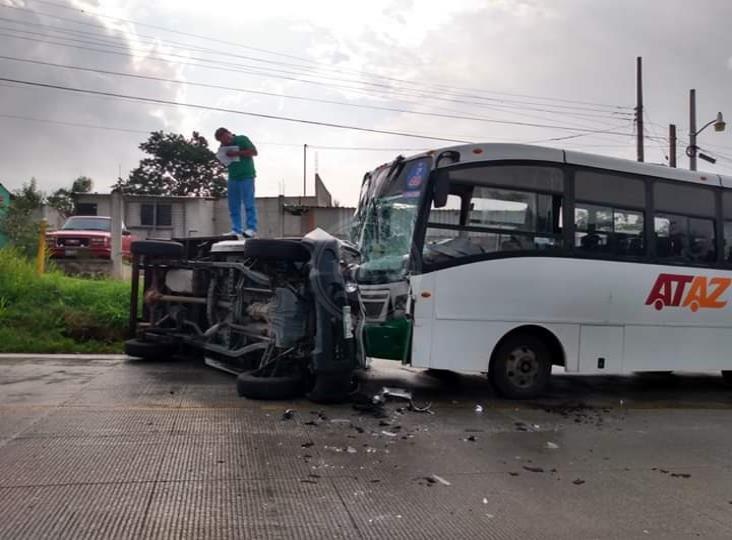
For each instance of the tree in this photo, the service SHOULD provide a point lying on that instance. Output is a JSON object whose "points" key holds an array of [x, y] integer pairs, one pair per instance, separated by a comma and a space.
{"points": [[63, 199], [83, 184], [177, 166], [19, 223]]}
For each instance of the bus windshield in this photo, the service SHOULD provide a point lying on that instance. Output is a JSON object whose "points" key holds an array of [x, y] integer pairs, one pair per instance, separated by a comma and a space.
{"points": [[388, 218]]}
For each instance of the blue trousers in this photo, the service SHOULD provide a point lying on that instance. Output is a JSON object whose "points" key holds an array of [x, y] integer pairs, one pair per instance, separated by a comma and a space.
{"points": [[241, 192]]}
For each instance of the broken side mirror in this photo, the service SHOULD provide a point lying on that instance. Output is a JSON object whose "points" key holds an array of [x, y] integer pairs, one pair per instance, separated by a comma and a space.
{"points": [[441, 185]]}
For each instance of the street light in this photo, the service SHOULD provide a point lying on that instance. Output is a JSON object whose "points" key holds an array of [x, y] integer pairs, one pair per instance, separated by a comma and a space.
{"points": [[692, 149]]}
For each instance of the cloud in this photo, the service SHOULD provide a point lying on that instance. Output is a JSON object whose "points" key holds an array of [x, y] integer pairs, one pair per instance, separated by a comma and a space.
{"points": [[56, 154]]}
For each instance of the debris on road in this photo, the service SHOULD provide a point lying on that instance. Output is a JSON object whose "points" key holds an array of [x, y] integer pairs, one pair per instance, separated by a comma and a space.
{"points": [[479, 409], [552, 446], [288, 414], [533, 469], [578, 482], [441, 480], [388, 433], [471, 438]]}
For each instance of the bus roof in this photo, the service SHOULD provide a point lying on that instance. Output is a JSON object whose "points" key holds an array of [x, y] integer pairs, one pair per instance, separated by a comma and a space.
{"points": [[482, 152]]}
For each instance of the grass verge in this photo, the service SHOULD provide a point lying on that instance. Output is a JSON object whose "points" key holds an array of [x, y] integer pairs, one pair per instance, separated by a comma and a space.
{"points": [[54, 313]]}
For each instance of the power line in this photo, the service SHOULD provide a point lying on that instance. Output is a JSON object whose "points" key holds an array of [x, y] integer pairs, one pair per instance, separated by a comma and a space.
{"points": [[289, 119], [283, 74], [230, 111], [256, 92], [259, 143], [267, 51]]}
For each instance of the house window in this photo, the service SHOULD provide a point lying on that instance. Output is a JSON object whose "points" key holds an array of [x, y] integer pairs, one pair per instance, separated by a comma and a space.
{"points": [[86, 209], [156, 215]]}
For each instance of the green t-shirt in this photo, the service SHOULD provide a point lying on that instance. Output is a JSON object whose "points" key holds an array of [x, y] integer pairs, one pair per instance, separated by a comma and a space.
{"points": [[244, 168]]}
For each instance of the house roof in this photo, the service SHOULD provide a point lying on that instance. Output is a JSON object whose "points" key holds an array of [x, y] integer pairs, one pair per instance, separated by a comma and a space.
{"points": [[10, 193]]}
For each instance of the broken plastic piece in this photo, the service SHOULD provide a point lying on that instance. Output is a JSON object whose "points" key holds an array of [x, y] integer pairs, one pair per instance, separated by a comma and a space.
{"points": [[479, 408], [441, 480]]}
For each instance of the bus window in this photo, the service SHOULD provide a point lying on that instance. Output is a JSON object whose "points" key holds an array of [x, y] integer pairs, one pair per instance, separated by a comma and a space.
{"points": [[728, 241], [607, 230], [685, 239], [481, 218]]}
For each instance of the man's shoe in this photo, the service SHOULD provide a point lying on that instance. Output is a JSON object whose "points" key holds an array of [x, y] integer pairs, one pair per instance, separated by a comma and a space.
{"points": [[250, 233]]}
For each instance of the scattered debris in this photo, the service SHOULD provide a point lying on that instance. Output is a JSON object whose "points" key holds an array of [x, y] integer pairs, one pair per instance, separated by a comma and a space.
{"points": [[520, 426], [312, 423], [533, 469], [288, 414], [513, 473], [479, 409], [552, 446], [351, 450], [441, 480], [388, 433], [485, 501], [307, 444], [308, 481], [680, 475], [472, 438], [578, 482]]}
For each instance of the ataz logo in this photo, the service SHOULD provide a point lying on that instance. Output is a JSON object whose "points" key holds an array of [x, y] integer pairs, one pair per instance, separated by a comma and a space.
{"points": [[694, 292]]}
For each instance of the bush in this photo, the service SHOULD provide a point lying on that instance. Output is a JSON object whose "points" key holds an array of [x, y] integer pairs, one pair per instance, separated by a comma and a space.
{"points": [[54, 313]]}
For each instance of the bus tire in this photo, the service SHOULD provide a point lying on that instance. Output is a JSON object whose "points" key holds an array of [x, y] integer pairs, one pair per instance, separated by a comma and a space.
{"points": [[520, 366], [727, 376]]}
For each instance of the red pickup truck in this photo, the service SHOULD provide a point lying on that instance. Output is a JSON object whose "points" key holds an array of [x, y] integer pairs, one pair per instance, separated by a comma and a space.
{"points": [[86, 237]]}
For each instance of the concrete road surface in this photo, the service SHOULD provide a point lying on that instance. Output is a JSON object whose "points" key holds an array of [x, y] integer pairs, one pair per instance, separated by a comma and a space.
{"points": [[116, 448]]}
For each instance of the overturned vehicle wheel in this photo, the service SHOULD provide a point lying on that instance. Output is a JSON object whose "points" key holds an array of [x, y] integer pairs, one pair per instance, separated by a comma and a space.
{"points": [[148, 350], [266, 384]]}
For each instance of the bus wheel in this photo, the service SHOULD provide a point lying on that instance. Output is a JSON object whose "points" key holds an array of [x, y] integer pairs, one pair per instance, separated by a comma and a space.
{"points": [[727, 375], [521, 366]]}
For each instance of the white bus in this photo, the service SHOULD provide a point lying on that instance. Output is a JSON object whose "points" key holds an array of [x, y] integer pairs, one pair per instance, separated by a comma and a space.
{"points": [[507, 259]]}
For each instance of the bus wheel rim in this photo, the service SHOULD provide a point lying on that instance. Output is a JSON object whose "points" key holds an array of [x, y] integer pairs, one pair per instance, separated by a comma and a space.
{"points": [[522, 367]]}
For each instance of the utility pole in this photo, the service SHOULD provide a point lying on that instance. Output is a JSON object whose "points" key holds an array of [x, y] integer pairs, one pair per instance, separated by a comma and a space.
{"points": [[304, 169], [692, 130], [672, 145], [639, 107]]}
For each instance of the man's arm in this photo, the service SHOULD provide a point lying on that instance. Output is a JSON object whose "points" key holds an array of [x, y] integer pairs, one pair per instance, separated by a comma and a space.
{"points": [[249, 149]]}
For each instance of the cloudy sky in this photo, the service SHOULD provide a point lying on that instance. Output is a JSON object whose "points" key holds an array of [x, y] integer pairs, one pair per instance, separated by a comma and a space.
{"points": [[468, 70]]}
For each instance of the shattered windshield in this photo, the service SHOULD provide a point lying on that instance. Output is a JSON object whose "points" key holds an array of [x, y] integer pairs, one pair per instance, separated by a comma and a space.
{"points": [[388, 221]]}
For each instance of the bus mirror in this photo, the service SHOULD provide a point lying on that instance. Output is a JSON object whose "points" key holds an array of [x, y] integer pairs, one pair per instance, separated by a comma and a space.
{"points": [[441, 190]]}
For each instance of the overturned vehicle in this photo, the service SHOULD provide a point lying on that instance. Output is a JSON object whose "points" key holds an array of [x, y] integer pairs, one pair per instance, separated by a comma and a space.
{"points": [[279, 313]]}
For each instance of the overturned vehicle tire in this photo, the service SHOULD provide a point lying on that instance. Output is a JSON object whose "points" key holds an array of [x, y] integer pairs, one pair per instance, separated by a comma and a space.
{"points": [[288, 250], [158, 248], [148, 350], [259, 384]]}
